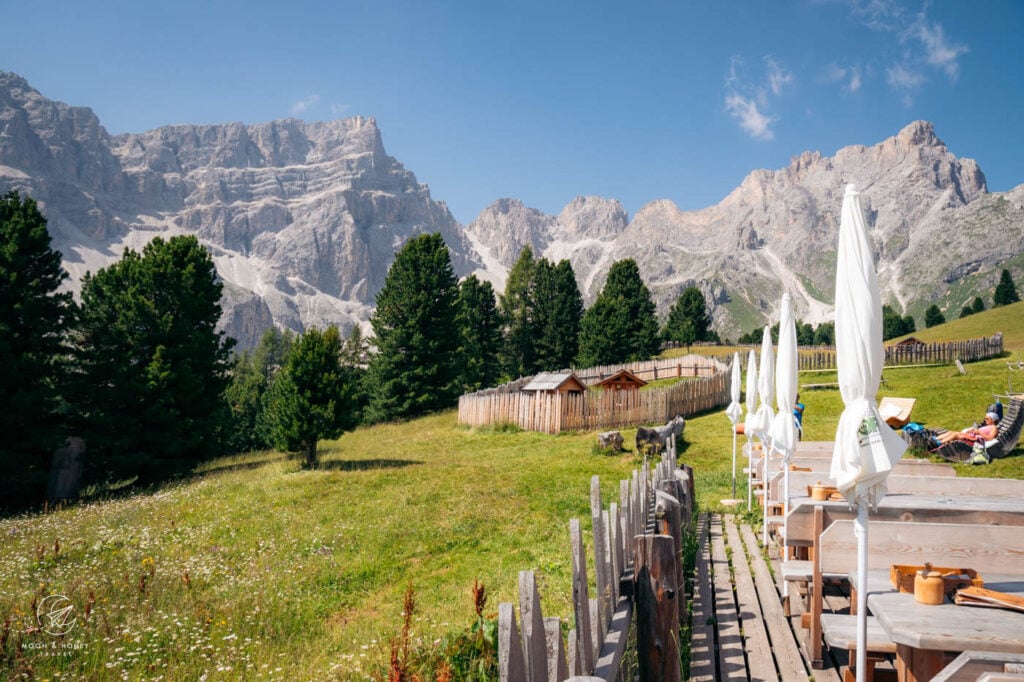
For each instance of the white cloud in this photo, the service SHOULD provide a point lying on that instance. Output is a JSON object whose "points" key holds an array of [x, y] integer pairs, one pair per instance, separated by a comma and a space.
{"points": [[853, 85], [748, 102], [849, 77], [339, 109], [778, 77], [905, 81], [939, 52], [749, 116], [304, 104]]}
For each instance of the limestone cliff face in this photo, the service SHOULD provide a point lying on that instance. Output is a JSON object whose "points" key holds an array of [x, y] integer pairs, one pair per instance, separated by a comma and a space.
{"points": [[303, 219]]}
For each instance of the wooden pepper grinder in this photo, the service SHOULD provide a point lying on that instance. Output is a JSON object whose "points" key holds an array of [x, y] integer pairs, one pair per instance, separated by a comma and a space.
{"points": [[929, 588]]}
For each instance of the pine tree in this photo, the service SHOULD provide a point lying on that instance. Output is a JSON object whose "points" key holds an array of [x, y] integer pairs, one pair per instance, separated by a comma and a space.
{"points": [[933, 316], [480, 328], [621, 325], [966, 311], [518, 356], [977, 305], [893, 325], [34, 318], [415, 370], [152, 365], [313, 397], [688, 319], [251, 375], [557, 312], [1006, 290]]}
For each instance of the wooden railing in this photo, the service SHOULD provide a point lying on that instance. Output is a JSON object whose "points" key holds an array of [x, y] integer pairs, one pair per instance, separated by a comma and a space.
{"points": [[557, 412], [636, 568]]}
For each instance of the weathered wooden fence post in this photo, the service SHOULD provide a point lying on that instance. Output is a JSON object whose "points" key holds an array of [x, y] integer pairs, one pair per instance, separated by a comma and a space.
{"points": [[558, 670], [510, 651], [534, 638], [581, 647], [657, 622]]}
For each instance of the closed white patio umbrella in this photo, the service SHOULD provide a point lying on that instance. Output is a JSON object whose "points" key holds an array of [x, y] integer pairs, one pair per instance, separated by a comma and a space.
{"points": [[783, 431], [763, 420], [748, 425], [734, 412], [866, 449]]}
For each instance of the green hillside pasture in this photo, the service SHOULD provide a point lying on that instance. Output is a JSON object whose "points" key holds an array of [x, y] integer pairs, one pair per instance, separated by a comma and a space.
{"points": [[257, 569]]}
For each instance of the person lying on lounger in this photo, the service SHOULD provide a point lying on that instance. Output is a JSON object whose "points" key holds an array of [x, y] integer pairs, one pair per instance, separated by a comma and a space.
{"points": [[986, 431]]}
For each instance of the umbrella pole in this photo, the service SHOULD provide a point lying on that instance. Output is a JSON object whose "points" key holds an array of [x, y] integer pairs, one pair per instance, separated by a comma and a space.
{"points": [[860, 529], [750, 473], [764, 490], [733, 462], [785, 520]]}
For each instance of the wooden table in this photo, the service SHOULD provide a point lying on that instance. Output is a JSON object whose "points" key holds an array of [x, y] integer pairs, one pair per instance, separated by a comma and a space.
{"points": [[924, 635], [1006, 511]]}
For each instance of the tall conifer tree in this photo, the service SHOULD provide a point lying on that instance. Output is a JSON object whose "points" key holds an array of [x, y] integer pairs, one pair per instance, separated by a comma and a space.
{"points": [[518, 356], [621, 325], [34, 318], [153, 365], [415, 369], [557, 313], [480, 327]]}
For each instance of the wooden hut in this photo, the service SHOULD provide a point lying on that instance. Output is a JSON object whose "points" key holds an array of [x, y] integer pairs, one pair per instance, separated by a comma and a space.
{"points": [[555, 382], [623, 380]]}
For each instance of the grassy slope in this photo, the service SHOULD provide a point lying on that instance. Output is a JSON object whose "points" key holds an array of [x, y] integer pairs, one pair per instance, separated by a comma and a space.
{"points": [[258, 570]]}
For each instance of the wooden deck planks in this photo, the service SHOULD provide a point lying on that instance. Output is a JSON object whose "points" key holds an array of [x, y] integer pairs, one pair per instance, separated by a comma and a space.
{"points": [[760, 663], [702, 632], [787, 654], [732, 663]]}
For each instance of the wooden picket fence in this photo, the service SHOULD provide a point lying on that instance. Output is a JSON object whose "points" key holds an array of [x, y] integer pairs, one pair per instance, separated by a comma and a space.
{"points": [[660, 368], [591, 410], [637, 570], [935, 353]]}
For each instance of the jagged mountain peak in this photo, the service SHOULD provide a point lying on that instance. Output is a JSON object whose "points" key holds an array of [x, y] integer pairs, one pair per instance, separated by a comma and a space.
{"points": [[304, 218]]}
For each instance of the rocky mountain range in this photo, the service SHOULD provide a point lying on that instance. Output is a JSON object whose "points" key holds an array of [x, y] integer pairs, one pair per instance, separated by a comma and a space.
{"points": [[303, 219]]}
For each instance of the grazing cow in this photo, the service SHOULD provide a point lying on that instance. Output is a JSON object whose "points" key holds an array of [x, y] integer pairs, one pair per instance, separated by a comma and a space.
{"points": [[653, 440]]}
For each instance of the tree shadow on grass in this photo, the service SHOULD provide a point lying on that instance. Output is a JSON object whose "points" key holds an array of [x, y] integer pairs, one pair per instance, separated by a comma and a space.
{"points": [[366, 464]]}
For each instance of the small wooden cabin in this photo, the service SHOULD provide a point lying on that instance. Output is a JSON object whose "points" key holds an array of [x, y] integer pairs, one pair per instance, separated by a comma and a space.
{"points": [[555, 382], [909, 341], [623, 380]]}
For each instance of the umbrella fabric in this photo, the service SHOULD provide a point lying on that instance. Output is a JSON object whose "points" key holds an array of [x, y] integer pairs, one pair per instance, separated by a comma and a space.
{"points": [[735, 410], [764, 416], [748, 425], [765, 383], [751, 396], [866, 447], [783, 431]]}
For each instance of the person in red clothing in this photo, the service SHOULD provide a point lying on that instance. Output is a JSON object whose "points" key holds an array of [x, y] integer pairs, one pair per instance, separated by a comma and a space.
{"points": [[986, 431]]}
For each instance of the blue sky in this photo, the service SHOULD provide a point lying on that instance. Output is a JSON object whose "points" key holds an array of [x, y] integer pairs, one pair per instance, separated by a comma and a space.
{"points": [[544, 101]]}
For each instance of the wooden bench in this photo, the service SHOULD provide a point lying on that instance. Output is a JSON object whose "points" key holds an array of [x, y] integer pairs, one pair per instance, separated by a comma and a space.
{"points": [[993, 549], [970, 665]]}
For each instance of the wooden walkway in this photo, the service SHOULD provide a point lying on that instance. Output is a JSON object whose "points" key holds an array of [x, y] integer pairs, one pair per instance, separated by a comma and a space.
{"points": [[738, 628]]}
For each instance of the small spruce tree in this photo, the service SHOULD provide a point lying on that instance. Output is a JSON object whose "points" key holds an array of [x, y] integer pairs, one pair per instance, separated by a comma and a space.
{"points": [[933, 316], [1006, 290]]}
